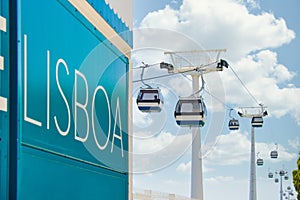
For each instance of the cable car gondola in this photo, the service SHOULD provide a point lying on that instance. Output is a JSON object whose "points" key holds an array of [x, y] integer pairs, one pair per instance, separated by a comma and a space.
{"points": [[233, 123], [282, 173], [259, 162], [190, 112], [276, 180], [270, 175], [257, 122], [149, 100], [274, 153]]}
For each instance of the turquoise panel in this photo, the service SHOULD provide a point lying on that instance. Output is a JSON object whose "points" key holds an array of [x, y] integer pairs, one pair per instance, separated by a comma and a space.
{"points": [[58, 178], [73, 95], [4, 92]]}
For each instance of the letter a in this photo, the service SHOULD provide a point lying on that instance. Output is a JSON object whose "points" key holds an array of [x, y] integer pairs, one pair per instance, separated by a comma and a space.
{"points": [[117, 116]]}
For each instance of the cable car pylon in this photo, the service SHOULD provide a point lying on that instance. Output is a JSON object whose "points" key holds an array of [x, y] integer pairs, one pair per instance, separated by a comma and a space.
{"points": [[256, 122], [195, 68]]}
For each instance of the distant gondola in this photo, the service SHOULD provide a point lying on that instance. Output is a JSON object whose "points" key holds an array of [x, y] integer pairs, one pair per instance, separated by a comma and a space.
{"points": [[270, 175], [259, 162], [233, 124], [274, 154]]}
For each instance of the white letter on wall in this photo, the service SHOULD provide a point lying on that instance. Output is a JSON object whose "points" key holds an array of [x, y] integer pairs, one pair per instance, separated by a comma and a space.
{"points": [[117, 117], [26, 118], [63, 133], [93, 113], [82, 106]]}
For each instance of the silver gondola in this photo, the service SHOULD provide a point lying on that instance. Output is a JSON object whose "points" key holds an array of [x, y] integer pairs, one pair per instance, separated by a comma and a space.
{"points": [[149, 100], [259, 162], [190, 112], [257, 122], [274, 153]]}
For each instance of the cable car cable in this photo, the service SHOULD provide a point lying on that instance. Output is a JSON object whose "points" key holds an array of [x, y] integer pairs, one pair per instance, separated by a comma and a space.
{"points": [[198, 69], [142, 74], [202, 88], [162, 76], [219, 100], [151, 65], [151, 78], [245, 87]]}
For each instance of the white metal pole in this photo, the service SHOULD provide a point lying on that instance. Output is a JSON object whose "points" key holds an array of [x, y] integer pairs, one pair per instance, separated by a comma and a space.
{"points": [[196, 171], [281, 192], [252, 195], [130, 134]]}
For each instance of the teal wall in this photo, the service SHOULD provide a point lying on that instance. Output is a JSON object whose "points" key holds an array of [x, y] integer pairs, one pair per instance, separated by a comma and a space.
{"points": [[4, 116], [66, 137]]}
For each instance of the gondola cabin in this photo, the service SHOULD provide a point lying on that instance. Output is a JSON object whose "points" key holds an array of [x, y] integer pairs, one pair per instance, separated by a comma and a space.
{"points": [[286, 177], [259, 162], [149, 100], [233, 124], [190, 112], [282, 173], [274, 154], [270, 175], [276, 180], [257, 122]]}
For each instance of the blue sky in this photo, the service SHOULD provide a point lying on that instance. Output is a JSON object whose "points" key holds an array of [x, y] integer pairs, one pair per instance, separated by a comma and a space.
{"points": [[262, 41]]}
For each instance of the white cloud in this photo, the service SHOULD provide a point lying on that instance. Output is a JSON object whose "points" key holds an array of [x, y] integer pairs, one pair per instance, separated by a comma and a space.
{"points": [[231, 149], [266, 79], [228, 23], [284, 155], [153, 144], [253, 4], [295, 143], [140, 118], [184, 167], [225, 23], [181, 86], [234, 149], [157, 152], [219, 179]]}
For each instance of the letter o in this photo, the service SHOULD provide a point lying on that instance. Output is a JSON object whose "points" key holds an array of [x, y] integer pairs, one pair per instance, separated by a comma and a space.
{"points": [[93, 121]]}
